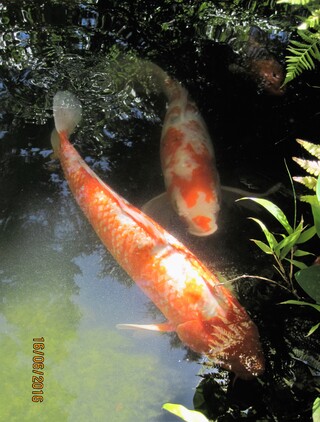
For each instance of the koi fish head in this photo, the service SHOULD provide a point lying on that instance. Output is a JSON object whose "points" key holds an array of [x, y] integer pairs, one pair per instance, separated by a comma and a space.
{"points": [[270, 75], [244, 355], [198, 207], [232, 341], [201, 219]]}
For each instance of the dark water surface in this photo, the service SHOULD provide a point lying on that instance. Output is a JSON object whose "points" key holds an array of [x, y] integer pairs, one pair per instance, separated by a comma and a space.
{"points": [[56, 279]]}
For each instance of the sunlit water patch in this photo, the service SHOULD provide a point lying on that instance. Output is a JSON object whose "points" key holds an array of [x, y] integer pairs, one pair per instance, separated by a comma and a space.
{"points": [[55, 285]]}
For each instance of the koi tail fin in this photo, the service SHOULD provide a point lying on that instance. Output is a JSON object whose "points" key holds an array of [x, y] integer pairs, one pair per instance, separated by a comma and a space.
{"points": [[67, 114], [66, 111]]}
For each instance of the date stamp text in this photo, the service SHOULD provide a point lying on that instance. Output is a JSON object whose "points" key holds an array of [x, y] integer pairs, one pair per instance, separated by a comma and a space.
{"points": [[38, 369]]}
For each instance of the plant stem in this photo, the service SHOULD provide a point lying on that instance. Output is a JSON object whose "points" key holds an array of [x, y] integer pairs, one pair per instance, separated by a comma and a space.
{"points": [[232, 280]]}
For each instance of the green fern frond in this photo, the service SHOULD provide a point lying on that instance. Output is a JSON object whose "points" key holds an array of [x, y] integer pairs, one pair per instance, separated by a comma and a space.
{"points": [[308, 181], [312, 149], [309, 36], [308, 198], [312, 167], [303, 54]]}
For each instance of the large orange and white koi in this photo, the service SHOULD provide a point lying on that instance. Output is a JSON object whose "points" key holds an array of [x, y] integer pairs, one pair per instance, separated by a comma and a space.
{"points": [[187, 160], [204, 314]]}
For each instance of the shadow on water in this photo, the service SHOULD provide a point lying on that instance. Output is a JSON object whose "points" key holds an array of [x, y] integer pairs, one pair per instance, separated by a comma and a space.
{"points": [[59, 283]]}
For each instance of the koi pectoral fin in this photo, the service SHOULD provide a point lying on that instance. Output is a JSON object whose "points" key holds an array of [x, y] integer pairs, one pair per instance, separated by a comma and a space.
{"points": [[161, 209], [164, 327], [158, 205]]}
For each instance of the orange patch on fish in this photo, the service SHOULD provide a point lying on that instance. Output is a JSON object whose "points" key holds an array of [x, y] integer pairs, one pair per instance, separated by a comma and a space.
{"points": [[200, 180], [203, 222]]}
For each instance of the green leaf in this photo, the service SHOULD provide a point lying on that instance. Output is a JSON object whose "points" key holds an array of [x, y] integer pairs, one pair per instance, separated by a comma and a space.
{"points": [[298, 264], [318, 189], [316, 410], [274, 210], [264, 247], [299, 252], [184, 413], [300, 302], [311, 199], [288, 243], [316, 217], [313, 329], [309, 280], [269, 236], [307, 235], [203, 6], [295, 2]]}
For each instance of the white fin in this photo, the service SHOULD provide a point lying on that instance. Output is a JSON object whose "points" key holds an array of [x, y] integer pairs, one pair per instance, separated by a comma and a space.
{"points": [[55, 142], [242, 192], [66, 111], [163, 327], [158, 204], [232, 195], [161, 210]]}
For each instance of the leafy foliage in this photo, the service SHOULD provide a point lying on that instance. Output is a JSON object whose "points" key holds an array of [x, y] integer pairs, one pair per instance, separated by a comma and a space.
{"points": [[312, 167], [184, 413], [296, 2], [303, 54], [311, 21], [316, 410], [287, 248], [283, 246], [308, 278]]}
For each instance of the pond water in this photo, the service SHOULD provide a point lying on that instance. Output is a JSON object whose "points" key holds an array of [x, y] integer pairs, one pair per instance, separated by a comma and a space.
{"points": [[59, 284], [57, 281]]}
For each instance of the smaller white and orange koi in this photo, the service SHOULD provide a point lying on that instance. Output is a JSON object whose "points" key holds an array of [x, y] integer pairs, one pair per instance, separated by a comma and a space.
{"points": [[187, 160]]}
